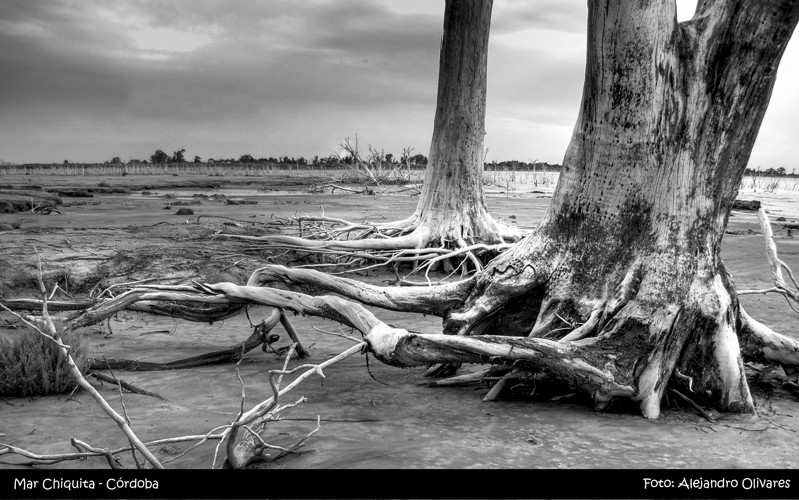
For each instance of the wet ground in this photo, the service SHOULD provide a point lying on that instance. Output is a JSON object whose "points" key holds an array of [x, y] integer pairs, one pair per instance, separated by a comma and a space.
{"points": [[375, 417]]}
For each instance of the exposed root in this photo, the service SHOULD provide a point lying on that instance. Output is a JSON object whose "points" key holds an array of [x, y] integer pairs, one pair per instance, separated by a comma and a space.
{"points": [[400, 348], [464, 379], [335, 308], [761, 341], [698, 408], [436, 300], [437, 239]]}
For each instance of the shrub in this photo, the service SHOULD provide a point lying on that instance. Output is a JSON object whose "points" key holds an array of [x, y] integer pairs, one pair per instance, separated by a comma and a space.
{"points": [[32, 364]]}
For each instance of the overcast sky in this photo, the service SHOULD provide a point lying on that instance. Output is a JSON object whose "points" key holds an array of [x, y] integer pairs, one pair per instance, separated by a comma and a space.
{"points": [[92, 79]]}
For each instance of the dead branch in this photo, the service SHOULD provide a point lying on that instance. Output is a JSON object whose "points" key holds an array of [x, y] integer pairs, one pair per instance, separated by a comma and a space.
{"points": [[248, 449], [695, 406], [124, 385], [259, 336], [776, 265], [52, 334], [321, 188], [39, 459]]}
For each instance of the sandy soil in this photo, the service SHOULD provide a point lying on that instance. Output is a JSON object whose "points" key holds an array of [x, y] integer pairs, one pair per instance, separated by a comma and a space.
{"points": [[394, 424]]}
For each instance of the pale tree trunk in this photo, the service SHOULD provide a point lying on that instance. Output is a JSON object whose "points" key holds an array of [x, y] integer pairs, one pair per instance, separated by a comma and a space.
{"points": [[629, 247], [452, 202]]}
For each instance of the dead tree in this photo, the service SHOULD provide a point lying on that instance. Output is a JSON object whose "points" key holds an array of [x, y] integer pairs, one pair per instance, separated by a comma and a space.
{"points": [[451, 212]]}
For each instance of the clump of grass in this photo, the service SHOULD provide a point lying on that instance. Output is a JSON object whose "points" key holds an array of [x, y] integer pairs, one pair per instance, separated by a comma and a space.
{"points": [[32, 365]]}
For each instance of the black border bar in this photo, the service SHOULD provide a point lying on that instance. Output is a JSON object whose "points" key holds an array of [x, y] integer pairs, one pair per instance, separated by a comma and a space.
{"points": [[400, 484]]}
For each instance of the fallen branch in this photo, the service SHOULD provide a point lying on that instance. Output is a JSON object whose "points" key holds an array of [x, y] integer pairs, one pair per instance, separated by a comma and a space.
{"points": [[698, 408], [776, 265], [259, 336], [52, 333], [245, 451], [124, 385], [321, 188]]}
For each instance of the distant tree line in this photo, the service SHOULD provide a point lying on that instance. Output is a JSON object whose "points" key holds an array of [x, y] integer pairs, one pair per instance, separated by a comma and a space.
{"points": [[770, 172], [418, 161]]}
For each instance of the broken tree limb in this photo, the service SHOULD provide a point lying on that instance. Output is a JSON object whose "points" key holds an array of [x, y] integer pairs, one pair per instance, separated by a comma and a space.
{"points": [[302, 352], [125, 385], [52, 305], [775, 264], [247, 449]]}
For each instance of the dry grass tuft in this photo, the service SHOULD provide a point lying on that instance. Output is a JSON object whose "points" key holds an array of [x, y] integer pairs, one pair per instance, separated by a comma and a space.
{"points": [[32, 366]]}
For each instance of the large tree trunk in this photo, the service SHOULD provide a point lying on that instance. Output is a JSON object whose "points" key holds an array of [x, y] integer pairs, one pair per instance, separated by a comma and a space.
{"points": [[630, 245]]}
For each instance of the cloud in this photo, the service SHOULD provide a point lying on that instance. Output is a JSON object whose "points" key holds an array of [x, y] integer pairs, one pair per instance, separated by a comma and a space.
{"points": [[94, 79], [547, 15], [188, 69]]}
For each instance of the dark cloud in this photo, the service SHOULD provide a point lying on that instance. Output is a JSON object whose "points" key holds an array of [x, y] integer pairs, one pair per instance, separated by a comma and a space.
{"points": [[265, 64], [94, 79]]}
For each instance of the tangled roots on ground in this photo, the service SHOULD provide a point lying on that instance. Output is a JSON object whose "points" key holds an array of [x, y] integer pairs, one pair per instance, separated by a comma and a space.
{"points": [[449, 239]]}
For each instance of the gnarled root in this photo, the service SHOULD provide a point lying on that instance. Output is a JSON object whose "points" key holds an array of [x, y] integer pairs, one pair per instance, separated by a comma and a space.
{"points": [[330, 307], [759, 342], [506, 290], [619, 316], [400, 348], [436, 300]]}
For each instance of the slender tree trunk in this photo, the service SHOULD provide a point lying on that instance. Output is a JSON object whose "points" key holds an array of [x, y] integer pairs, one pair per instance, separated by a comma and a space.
{"points": [[630, 245], [452, 201]]}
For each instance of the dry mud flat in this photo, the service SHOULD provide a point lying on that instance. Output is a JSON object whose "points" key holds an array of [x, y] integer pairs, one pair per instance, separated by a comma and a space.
{"points": [[393, 423]]}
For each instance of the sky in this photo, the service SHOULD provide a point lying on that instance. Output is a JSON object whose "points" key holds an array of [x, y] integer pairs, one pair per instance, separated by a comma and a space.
{"points": [[90, 80]]}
